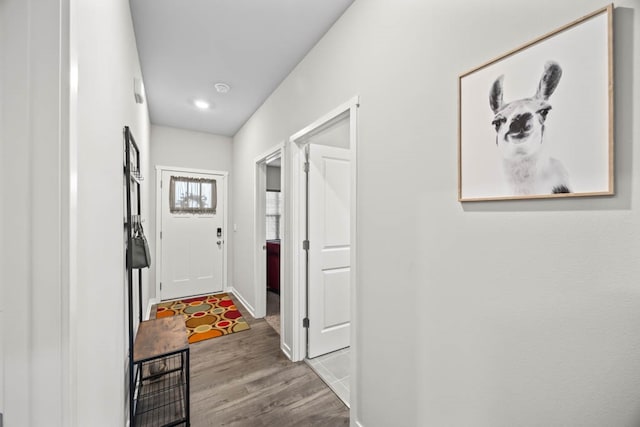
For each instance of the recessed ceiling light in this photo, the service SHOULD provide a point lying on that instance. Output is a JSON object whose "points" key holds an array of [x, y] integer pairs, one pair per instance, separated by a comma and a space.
{"points": [[222, 87], [201, 104]]}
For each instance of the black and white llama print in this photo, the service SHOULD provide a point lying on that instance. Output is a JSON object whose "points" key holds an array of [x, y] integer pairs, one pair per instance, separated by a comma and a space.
{"points": [[520, 137]]}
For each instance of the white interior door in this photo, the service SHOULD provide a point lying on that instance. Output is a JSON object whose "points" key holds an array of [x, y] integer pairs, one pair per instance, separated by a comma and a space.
{"points": [[192, 244], [329, 249]]}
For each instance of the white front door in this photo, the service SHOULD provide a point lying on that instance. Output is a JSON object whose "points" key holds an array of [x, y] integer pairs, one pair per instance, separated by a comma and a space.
{"points": [[329, 249], [192, 243]]}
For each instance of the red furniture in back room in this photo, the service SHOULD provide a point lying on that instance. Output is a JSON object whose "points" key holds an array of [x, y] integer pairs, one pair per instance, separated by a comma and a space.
{"points": [[273, 265]]}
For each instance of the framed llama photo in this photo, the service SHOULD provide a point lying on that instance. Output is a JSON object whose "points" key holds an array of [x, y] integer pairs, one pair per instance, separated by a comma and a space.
{"points": [[537, 122]]}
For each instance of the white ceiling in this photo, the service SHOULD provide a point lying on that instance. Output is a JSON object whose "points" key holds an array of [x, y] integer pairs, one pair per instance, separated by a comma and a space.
{"points": [[186, 46]]}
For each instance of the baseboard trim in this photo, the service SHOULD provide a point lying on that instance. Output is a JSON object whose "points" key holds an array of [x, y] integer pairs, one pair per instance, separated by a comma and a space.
{"points": [[243, 301], [150, 304]]}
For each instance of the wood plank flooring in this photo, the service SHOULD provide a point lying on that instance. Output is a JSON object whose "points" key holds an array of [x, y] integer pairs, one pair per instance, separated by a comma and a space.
{"points": [[244, 380], [273, 311]]}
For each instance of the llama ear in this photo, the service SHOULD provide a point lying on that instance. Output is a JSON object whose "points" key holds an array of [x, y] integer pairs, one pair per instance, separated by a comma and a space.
{"points": [[549, 81], [495, 95]]}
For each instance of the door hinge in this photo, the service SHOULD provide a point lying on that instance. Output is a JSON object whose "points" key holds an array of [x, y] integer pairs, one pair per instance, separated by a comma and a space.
{"points": [[160, 285], [306, 167], [305, 322], [305, 245], [161, 234]]}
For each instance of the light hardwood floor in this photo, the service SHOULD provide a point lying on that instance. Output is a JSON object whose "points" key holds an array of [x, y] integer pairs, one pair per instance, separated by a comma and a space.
{"points": [[273, 311], [243, 379]]}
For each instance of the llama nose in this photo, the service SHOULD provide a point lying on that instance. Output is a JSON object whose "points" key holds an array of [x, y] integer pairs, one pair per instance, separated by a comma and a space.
{"points": [[520, 123]]}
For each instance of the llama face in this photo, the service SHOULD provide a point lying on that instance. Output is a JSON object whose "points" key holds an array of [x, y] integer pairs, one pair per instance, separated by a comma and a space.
{"points": [[519, 124]]}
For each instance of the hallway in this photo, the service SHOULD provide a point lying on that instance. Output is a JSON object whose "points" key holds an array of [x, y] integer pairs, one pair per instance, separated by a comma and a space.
{"points": [[243, 379]]}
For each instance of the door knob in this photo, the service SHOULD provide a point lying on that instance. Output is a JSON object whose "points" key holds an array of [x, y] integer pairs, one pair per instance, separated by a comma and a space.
{"points": [[264, 247], [219, 242]]}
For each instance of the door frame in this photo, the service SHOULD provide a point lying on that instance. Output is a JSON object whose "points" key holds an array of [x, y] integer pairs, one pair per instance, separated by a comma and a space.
{"points": [[225, 234], [294, 260], [259, 229]]}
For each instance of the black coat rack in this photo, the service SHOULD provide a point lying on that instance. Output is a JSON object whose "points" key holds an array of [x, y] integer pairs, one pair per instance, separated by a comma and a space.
{"points": [[133, 180]]}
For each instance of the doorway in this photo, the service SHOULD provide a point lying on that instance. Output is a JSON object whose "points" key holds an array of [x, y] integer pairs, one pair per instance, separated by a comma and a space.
{"points": [[329, 248], [269, 235], [322, 272], [274, 205], [191, 232]]}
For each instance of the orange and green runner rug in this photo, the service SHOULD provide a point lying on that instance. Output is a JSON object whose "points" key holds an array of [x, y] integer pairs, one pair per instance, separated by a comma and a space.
{"points": [[206, 317]]}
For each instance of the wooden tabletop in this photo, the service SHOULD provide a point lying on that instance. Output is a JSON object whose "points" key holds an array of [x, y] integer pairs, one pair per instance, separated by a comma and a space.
{"points": [[160, 336]]}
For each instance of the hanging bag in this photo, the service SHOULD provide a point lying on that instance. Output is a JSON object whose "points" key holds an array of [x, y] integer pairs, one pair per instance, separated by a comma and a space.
{"points": [[140, 255]]}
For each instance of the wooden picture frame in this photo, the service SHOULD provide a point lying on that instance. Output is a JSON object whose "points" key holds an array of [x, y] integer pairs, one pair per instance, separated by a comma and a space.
{"points": [[537, 122]]}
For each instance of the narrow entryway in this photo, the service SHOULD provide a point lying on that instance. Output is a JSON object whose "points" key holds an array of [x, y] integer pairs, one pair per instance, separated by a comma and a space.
{"points": [[274, 205], [329, 287], [323, 219]]}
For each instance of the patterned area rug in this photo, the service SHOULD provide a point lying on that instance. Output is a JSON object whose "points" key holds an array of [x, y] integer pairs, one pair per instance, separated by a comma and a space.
{"points": [[206, 317]]}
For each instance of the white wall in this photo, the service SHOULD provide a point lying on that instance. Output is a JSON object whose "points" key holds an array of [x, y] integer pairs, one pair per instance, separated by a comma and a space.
{"points": [[2, 267], [335, 135], [33, 143], [193, 150], [273, 178], [67, 77], [189, 149], [510, 313], [107, 64]]}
